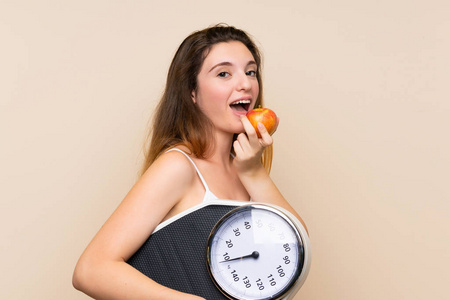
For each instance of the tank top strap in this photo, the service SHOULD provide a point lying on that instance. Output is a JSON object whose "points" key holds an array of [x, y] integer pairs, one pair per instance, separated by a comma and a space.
{"points": [[195, 166]]}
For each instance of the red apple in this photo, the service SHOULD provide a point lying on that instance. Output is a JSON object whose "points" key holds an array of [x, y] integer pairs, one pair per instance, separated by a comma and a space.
{"points": [[265, 116]]}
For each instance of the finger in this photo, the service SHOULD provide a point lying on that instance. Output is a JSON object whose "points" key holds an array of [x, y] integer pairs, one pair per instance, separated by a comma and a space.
{"points": [[244, 142], [237, 148], [265, 140], [249, 129]]}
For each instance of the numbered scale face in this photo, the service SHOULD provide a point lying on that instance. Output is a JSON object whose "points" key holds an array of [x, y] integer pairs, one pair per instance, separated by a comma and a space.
{"points": [[255, 252]]}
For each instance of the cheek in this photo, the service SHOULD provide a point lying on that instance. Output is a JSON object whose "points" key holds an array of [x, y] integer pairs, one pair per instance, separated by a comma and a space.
{"points": [[255, 89], [213, 95]]}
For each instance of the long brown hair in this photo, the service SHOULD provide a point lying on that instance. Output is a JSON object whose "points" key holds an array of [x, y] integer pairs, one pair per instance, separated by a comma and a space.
{"points": [[177, 120]]}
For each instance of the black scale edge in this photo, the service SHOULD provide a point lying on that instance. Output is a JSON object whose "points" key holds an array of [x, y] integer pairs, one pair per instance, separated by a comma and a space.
{"points": [[175, 256]]}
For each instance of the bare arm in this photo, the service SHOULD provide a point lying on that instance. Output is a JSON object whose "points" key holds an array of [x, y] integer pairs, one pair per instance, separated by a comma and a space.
{"points": [[252, 174], [102, 271]]}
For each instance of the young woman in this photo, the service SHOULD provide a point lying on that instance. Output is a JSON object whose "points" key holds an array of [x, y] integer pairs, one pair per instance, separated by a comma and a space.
{"points": [[199, 128]]}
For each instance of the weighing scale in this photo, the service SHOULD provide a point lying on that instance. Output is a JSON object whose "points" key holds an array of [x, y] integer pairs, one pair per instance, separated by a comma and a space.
{"points": [[226, 249]]}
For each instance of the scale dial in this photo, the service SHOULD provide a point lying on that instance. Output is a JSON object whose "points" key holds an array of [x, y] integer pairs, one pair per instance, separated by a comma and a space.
{"points": [[255, 252]]}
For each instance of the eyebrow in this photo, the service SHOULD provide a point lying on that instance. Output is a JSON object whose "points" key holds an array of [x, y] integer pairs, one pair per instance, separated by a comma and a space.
{"points": [[227, 63]]}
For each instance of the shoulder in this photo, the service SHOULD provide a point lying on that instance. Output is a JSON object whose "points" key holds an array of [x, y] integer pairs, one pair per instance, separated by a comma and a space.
{"points": [[173, 166]]}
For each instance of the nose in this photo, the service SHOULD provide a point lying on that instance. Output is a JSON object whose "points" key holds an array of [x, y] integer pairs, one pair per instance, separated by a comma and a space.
{"points": [[243, 82]]}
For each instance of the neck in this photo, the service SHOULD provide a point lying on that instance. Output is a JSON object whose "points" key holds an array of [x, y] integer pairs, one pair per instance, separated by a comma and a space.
{"points": [[220, 153]]}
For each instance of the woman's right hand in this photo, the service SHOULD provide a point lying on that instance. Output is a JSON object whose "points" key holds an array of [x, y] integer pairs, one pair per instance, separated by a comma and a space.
{"points": [[248, 147]]}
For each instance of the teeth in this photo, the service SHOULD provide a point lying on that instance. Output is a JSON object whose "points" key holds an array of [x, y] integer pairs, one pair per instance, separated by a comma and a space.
{"points": [[241, 102]]}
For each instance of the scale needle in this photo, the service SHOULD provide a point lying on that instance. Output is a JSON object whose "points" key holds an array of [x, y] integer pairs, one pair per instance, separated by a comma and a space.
{"points": [[255, 254]]}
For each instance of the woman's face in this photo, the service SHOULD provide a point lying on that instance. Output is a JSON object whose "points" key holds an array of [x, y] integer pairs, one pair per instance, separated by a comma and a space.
{"points": [[227, 86]]}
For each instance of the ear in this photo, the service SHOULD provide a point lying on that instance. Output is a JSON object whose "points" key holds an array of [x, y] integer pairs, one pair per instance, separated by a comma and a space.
{"points": [[193, 96]]}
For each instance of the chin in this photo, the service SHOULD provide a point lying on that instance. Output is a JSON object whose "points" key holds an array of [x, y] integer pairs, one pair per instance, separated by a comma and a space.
{"points": [[233, 127], [236, 130], [239, 129]]}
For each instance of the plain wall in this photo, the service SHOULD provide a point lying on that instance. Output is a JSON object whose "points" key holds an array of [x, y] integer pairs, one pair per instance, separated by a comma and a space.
{"points": [[362, 151]]}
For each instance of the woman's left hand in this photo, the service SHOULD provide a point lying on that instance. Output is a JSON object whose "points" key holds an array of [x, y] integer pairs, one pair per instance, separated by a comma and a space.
{"points": [[249, 148]]}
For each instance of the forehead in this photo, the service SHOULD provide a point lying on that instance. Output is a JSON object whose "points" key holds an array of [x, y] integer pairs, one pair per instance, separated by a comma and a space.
{"points": [[233, 52]]}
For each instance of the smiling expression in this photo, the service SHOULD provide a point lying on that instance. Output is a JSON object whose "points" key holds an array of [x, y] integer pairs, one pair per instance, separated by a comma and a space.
{"points": [[227, 86]]}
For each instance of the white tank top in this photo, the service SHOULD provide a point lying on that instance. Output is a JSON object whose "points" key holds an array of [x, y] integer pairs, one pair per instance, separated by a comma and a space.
{"points": [[208, 194]]}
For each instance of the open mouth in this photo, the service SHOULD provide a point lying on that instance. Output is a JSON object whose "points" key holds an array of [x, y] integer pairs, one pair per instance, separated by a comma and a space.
{"points": [[241, 105]]}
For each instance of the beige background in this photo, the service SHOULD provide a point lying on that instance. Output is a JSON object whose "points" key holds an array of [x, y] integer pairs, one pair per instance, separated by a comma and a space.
{"points": [[362, 151]]}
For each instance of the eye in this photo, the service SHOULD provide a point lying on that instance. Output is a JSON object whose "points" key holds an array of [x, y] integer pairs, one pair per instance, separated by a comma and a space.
{"points": [[251, 73], [223, 74]]}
